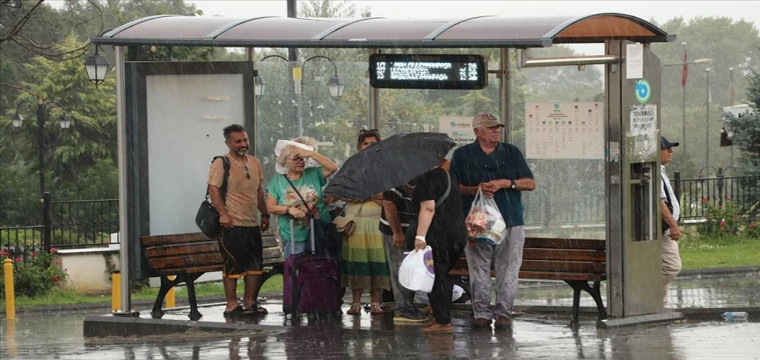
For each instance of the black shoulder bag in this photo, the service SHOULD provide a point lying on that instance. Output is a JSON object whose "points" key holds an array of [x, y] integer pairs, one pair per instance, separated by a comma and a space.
{"points": [[207, 217], [669, 204]]}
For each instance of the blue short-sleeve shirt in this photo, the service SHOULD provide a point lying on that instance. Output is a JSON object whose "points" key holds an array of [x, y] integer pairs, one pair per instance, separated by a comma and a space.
{"points": [[472, 166]]}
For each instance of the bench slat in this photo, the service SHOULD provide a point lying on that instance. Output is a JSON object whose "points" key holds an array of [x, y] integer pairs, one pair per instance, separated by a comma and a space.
{"points": [[565, 255], [182, 249], [272, 253], [552, 266], [542, 275], [174, 239], [186, 261], [564, 266], [191, 270], [561, 276], [563, 243]]}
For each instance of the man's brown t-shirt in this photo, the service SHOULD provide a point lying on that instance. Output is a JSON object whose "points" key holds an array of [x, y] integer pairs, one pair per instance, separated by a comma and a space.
{"points": [[242, 193]]}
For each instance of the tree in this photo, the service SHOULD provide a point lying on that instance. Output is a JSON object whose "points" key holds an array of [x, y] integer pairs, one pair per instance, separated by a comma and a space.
{"points": [[747, 128]]}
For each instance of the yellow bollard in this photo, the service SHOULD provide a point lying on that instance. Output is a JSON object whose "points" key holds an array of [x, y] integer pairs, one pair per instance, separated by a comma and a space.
{"points": [[10, 300], [115, 291], [171, 296], [10, 337]]}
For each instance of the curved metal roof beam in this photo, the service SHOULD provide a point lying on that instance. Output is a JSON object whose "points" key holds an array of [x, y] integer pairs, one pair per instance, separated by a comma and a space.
{"points": [[233, 24], [337, 27], [443, 28], [128, 25], [549, 37]]}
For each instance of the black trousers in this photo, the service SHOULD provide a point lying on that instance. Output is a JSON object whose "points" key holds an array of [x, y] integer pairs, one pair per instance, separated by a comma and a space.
{"points": [[445, 257]]}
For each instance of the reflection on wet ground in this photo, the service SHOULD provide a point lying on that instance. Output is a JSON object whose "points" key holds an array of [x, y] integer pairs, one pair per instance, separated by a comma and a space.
{"points": [[686, 292], [532, 336]]}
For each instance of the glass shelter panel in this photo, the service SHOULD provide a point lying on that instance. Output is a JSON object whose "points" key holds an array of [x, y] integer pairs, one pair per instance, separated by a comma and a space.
{"points": [[558, 122], [289, 108]]}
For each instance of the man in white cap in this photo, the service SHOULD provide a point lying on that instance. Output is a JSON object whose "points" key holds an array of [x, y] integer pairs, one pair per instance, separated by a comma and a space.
{"points": [[500, 171], [671, 211]]}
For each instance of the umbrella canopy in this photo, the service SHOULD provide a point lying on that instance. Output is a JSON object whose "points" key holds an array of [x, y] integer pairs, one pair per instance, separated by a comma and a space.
{"points": [[388, 163]]}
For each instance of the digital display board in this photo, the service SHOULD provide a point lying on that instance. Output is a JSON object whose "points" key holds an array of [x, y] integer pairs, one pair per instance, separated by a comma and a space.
{"points": [[413, 71]]}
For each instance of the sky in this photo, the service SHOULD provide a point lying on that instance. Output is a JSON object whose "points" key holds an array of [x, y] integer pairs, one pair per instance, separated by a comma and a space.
{"points": [[661, 11]]}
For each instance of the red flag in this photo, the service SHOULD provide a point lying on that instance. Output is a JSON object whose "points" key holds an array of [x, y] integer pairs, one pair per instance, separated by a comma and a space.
{"points": [[685, 72]]}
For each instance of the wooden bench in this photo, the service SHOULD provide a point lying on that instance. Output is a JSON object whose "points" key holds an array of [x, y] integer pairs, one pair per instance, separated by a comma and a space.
{"points": [[188, 256], [577, 262]]}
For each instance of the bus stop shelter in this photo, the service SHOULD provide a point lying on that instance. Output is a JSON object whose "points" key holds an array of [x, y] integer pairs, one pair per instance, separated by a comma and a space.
{"points": [[628, 145]]}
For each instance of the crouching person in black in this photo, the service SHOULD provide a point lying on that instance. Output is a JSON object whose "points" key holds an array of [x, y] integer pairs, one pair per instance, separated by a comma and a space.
{"points": [[440, 225]]}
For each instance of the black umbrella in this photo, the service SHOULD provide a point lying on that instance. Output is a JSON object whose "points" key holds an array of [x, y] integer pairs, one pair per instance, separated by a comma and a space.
{"points": [[388, 163]]}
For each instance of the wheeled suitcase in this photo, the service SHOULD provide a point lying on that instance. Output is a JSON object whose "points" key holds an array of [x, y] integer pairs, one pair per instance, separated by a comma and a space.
{"points": [[311, 281]]}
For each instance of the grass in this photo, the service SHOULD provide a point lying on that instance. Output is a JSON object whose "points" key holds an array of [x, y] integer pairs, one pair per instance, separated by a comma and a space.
{"points": [[726, 252], [68, 297]]}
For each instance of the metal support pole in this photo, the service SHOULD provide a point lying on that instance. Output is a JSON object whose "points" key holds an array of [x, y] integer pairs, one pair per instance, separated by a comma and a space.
{"points": [[121, 138], [677, 185], [249, 55], [683, 119], [504, 96], [720, 185], [374, 103], [47, 220], [41, 143], [292, 13], [707, 119]]}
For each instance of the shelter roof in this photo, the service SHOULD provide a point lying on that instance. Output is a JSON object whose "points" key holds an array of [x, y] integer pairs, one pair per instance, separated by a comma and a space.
{"points": [[377, 32]]}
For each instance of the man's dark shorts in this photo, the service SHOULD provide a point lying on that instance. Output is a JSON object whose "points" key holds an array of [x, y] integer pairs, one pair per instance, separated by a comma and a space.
{"points": [[241, 251]]}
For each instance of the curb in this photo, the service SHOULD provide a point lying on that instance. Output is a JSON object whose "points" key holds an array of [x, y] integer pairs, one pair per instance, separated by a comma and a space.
{"points": [[720, 271]]}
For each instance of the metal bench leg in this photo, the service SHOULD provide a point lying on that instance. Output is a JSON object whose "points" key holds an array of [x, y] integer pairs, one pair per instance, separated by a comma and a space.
{"points": [[166, 285], [595, 293], [577, 286], [195, 315]]}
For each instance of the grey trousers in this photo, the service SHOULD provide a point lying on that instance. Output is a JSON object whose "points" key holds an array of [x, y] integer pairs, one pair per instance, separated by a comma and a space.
{"points": [[404, 298], [507, 259]]}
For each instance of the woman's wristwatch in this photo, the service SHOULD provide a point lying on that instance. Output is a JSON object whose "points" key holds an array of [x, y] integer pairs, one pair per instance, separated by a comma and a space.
{"points": [[287, 210]]}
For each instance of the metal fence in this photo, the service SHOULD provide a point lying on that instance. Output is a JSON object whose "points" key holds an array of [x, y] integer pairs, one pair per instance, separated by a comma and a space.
{"points": [[695, 194], [66, 225]]}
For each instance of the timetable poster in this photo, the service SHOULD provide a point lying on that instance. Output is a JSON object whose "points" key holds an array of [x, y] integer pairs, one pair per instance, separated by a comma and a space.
{"points": [[564, 130]]}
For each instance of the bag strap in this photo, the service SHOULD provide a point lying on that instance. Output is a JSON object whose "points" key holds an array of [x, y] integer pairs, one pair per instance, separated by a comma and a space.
{"points": [[448, 190], [308, 212], [225, 177]]}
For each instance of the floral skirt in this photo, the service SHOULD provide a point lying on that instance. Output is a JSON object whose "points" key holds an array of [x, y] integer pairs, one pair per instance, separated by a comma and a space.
{"points": [[364, 263]]}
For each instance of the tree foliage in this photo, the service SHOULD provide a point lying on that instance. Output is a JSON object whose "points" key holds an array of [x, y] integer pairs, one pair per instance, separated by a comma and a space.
{"points": [[747, 128]]}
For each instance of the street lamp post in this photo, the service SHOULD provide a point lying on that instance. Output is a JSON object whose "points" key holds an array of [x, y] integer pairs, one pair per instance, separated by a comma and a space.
{"points": [[707, 119], [334, 86], [683, 95], [41, 112]]}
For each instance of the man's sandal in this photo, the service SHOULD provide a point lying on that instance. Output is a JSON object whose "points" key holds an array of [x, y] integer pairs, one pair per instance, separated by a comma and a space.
{"points": [[376, 309]]}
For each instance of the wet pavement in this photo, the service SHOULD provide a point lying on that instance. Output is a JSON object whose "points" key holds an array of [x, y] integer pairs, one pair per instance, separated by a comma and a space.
{"points": [[533, 336]]}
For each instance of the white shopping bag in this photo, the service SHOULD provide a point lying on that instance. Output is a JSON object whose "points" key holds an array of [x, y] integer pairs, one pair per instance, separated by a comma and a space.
{"points": [[416, 271]]}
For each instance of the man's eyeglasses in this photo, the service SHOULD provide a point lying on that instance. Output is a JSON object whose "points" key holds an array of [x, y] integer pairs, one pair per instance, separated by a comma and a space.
{"points": [[368, 143], [247, 173]]}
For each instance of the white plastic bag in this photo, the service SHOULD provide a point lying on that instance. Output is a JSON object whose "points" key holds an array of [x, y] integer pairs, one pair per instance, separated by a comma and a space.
{"points": [[416, 271], [484, 222]]}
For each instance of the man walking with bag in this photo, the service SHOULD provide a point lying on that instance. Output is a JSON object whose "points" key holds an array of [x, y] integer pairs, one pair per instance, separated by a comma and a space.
{"points": [[670, 210], [500, 171], [238, 198]]}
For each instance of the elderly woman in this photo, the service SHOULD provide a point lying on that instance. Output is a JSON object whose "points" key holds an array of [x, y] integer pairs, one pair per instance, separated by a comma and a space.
{"points": [[364, 265], [283, 200]]}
